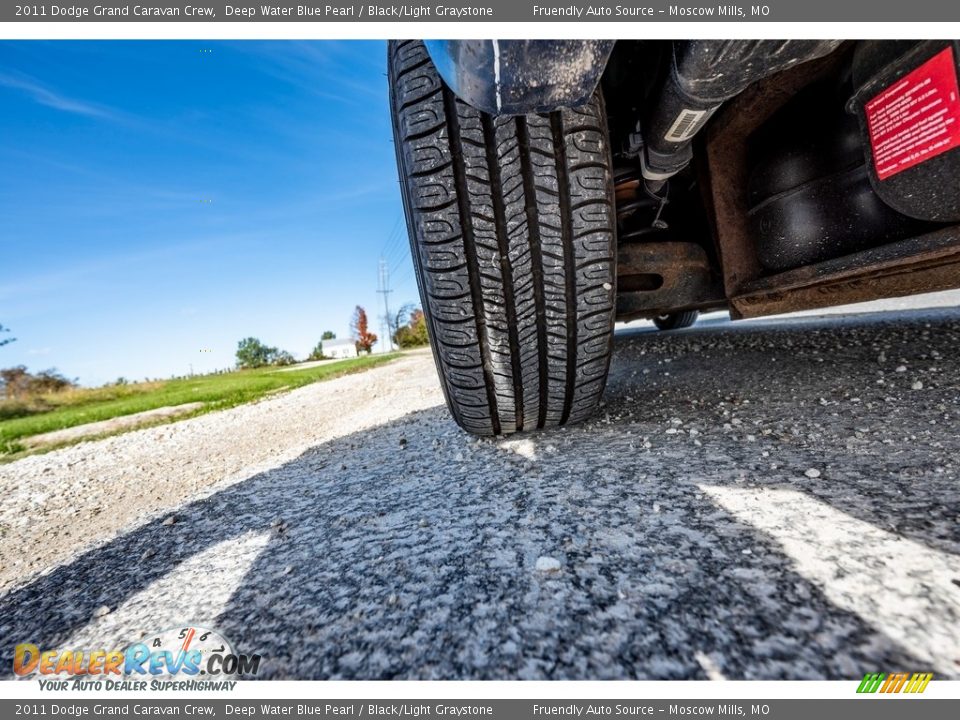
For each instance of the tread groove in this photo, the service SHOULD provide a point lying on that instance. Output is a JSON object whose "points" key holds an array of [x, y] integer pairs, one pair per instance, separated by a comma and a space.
{"points": [[412, 68], [536, 261], [506, 271], [459, 171], [416, 101], [569, 268]]}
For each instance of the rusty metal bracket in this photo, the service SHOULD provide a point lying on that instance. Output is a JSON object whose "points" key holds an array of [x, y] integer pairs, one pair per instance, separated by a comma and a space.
{"points": [[926, 263], [657, 278]]}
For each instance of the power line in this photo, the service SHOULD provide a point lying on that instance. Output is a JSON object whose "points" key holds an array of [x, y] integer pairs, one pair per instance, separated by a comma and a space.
{"points": [[406, 276], [401, 250], [399, 264], [391, 236], [393, 241], [391, 251]]}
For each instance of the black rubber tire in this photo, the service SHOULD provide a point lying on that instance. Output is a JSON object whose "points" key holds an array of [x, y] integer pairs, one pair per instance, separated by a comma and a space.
{"points": [[512, 230], [677, 321]]}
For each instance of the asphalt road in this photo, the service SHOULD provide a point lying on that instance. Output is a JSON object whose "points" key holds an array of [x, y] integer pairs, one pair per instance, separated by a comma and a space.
{"points": [[770, 500]]}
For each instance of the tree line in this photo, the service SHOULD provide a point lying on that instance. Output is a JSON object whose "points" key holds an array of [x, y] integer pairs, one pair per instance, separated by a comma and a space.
{"points": [[408, 329]]}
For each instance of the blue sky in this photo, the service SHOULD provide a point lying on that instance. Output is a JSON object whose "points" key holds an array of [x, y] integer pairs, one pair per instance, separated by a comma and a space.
{"points": [[159, 199]]}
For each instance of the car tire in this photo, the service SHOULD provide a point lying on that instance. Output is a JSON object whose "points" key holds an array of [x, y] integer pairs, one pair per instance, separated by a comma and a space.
{"points": [[676, 321], [512, 229]]}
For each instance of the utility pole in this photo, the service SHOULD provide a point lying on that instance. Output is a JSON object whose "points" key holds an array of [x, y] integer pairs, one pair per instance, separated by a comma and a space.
{"points": [[383, 286]]}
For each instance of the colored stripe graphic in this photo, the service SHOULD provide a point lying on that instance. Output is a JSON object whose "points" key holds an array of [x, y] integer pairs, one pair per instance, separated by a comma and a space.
{"points": [[918, 682], [870, 682], [894, 682]]}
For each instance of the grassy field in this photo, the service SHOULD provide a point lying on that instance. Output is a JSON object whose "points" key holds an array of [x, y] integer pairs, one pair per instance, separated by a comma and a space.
{"points": [[82, 405]]}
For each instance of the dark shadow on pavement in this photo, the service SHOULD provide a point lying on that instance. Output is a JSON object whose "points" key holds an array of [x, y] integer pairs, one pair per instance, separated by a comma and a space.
{"points": [[410, 550]]}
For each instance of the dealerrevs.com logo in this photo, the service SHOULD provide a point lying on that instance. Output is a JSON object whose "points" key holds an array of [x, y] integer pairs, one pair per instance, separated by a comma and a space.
{"points": [[185, 658]]}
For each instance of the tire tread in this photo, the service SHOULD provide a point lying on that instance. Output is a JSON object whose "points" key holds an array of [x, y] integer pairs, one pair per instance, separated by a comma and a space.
{"points": [[512, 223]]}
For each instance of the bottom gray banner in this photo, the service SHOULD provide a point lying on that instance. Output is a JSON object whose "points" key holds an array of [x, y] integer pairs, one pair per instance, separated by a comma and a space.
{"points": [[872, 707]]}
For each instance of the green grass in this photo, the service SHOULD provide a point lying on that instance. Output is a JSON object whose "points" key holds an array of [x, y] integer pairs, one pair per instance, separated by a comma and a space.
{"points": [[81, 406]]}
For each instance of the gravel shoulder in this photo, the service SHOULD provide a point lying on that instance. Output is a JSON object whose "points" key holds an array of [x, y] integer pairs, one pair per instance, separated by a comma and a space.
{"points": [[88, 493], [756, 501]]}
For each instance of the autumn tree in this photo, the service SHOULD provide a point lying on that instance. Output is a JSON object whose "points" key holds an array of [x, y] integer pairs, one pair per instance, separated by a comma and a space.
{"points": [[50, 381], [17, 382], [411, 329], [361, 332], [14, 381], [414, 333]]}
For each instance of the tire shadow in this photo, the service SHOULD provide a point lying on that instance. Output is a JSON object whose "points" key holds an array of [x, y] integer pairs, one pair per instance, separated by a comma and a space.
{"points": [[411, 550]]}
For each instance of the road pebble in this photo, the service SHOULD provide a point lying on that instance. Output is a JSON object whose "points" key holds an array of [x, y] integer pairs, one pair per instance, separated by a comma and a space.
{"points": [[547, 564]]}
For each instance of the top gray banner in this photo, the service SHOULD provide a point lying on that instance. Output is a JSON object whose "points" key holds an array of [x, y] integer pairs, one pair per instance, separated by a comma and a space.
{"points": [[639, 11]]}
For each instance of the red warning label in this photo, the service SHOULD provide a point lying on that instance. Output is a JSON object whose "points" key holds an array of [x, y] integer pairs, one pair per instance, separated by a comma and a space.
{"points": [[917, 118]]}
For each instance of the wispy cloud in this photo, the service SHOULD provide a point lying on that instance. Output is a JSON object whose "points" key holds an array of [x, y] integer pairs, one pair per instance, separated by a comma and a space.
{"points": [[81, 274], [324, 69], [51, 98]]}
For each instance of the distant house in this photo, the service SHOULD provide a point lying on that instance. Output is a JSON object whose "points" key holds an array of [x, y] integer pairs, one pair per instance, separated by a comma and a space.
{"points": [[339, 349]]}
